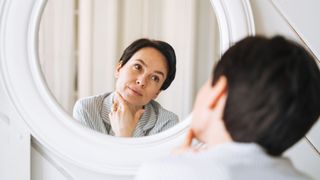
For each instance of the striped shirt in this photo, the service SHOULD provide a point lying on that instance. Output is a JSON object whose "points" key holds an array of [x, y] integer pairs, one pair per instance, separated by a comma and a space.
{"points": [[93, 112]]}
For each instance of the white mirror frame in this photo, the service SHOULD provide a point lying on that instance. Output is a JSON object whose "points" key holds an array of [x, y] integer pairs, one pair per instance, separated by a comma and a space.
{"points": [[51, 126]]}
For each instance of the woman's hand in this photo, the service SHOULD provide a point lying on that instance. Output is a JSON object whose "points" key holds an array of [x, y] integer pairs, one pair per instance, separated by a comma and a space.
{"points": [[187, 146], [123, 120]]}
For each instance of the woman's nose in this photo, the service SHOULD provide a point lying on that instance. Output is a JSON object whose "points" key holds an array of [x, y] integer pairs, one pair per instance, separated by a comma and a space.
{"points": [[141, 81]]}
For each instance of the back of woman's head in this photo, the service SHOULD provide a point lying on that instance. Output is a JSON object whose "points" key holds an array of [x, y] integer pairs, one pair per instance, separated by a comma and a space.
{"points": [[273, 92]]}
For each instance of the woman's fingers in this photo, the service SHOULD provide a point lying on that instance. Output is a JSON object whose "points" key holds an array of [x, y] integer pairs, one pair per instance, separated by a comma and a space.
{"points": [[186, 145], [119, 97], [123, 119], [138, 115], [121, 102], [114, 107], [188, 139]]}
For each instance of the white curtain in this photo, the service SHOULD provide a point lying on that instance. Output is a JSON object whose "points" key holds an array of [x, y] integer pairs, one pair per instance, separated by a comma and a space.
{"points": [[57, 50], [90, 36]]}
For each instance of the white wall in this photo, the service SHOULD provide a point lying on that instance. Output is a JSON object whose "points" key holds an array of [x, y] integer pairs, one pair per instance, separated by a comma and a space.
{"points": [[46, 166], [14, 141]]}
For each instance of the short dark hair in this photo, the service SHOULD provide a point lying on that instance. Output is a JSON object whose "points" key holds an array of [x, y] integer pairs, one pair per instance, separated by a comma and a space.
{"points": [[164, 48], [273, 92]]}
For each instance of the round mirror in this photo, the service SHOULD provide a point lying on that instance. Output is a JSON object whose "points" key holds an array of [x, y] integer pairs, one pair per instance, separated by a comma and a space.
{"points": [[80, 44]]}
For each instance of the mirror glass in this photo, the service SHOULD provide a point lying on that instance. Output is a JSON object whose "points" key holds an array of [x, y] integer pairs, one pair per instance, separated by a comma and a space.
{"points": [[80, 44]]}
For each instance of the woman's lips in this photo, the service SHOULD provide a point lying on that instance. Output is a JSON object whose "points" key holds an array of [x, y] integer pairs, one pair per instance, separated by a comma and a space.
{"points": [[135, 92]]}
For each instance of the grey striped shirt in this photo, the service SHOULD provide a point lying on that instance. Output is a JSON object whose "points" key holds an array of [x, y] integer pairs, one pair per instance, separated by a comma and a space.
{"points": [[93, 112]]}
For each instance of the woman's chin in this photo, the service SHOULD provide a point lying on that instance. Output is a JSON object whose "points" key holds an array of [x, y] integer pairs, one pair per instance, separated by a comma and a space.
{"points": [[133, 100]]}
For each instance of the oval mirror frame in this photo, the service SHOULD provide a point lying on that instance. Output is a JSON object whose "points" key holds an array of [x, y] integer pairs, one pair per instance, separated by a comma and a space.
{"points": [[52, 127]]}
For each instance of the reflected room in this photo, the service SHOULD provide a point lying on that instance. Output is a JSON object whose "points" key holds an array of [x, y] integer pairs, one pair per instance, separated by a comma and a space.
{"points": [[80, 44]]}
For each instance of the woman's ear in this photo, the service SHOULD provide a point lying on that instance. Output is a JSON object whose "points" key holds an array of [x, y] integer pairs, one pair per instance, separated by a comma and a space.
{"points": [[218, 90], [117, 69]]}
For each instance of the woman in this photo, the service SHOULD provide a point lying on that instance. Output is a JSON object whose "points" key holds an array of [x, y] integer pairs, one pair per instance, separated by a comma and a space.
{"points": [[145, 68]]}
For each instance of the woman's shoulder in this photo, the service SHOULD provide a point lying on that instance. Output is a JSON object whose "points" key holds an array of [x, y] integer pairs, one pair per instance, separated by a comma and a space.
{"points": [[164, 113], [91, 101]]}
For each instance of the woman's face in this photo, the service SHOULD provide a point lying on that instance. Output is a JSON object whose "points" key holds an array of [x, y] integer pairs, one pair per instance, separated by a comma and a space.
{"points": [[140, 79]]}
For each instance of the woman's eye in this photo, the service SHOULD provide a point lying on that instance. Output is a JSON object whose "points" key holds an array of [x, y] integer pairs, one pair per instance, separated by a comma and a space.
{"points": [[155, 78], [137, 66]]}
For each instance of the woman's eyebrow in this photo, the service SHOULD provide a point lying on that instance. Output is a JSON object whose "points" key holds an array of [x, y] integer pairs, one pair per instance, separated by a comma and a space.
{"points": [[144, 64], [160, 73]]}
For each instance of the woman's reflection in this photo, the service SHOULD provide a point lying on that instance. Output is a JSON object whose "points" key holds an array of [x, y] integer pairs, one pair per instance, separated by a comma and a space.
{"points": [[145, 68]]}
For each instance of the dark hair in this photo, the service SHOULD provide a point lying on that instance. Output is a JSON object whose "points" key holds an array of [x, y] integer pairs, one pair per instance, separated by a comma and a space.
{"points": [[164, 48], [273, 92]]}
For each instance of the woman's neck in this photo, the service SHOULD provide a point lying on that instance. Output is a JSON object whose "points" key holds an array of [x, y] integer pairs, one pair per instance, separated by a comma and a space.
{"points": [[215, 134], [134, 108]]}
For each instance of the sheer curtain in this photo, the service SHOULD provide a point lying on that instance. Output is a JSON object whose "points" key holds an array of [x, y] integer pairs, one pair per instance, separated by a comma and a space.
{"points": [[57, 50]]}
